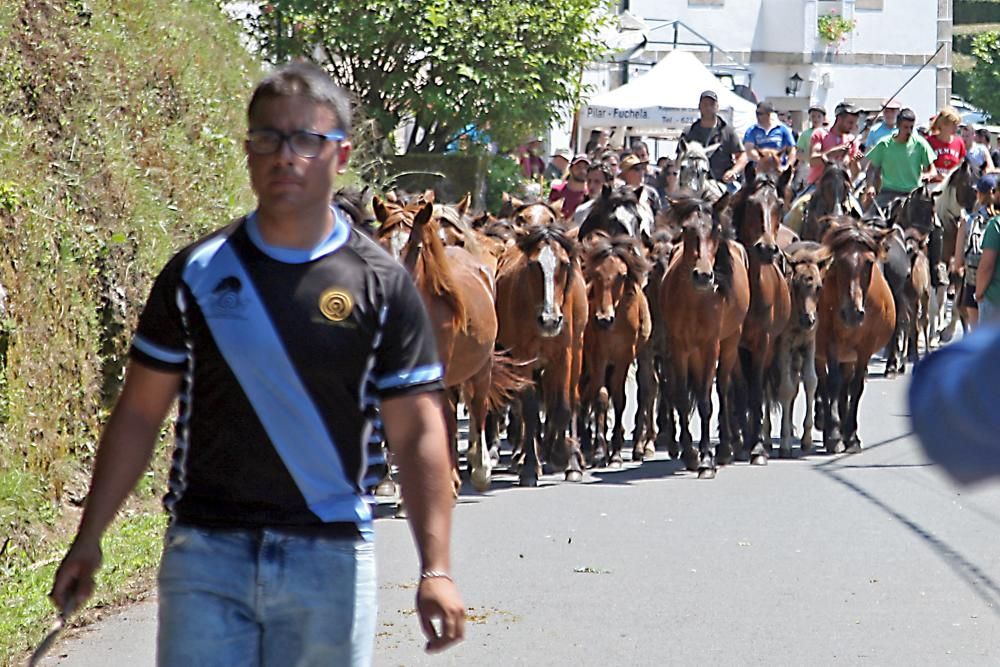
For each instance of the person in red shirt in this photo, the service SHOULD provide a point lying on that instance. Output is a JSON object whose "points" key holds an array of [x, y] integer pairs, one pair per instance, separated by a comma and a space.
{"points": [[836, 144], [947, 145], [572, 191]]}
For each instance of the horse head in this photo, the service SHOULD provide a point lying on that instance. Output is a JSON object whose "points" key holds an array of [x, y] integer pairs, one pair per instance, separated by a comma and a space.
{"points": [[917, 209], [702, 235], [395, 224], [856, 250], [807, 263], [615, 211], [757, 217], [612, 267], [694, 170], [550, 256]]}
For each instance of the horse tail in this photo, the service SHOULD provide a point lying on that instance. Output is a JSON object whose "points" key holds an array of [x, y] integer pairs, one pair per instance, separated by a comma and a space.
{"points": [[433, 274], [509, 378]]}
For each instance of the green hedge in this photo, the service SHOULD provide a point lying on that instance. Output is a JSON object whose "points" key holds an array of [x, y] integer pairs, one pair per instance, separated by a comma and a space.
{"points": [[976, 11]]}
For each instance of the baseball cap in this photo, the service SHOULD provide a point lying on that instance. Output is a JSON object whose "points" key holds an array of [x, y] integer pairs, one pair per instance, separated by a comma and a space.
{"points": [[765, 106], [580, 157], [987, 183], [893, 104], [564, 153], [817, 107], [907, 115], [847, 108], [631, 161], [710, 94]]}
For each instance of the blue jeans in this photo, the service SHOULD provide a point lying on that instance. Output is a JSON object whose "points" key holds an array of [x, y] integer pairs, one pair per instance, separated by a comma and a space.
{"points": [[258, 598]]}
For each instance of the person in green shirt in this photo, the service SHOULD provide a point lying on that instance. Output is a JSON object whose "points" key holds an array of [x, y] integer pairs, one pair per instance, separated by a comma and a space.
{"points": [[987, 277], [817, 119], [902, 160]]}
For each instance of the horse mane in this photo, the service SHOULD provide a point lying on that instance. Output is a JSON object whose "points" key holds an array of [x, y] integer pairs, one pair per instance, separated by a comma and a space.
{"points": [[449, 214], [849, 232], [622, 195], [687, 205], [742, 200], [352, 202], [624, 248], [535, 234]]}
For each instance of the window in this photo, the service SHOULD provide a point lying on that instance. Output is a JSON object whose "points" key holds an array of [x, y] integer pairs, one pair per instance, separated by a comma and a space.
{"points": [[875, 5]]}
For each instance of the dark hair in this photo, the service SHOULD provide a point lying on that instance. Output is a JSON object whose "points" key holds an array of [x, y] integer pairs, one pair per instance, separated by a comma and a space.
{"points": [[605, 172], [906, 115], [637, 143], [309, 81], [983, 133]]}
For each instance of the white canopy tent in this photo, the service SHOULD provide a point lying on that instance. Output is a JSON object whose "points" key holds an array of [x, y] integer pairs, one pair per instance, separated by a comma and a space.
{"points": [[665, 99]]}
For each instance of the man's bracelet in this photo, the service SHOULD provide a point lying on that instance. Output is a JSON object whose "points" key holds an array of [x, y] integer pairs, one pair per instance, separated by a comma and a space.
{"points": [[435, 574]]}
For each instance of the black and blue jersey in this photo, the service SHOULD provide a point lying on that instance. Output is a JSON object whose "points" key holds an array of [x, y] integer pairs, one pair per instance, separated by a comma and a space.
{"points": [[285, 355]]}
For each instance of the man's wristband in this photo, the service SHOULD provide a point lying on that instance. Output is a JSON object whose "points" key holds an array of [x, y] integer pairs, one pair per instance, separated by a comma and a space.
{"points": [[435, 574]]}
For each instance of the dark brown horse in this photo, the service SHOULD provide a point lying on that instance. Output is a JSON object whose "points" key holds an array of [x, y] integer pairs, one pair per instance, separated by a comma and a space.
{"points": [[704, 298], [756, 220], [831, 198], [856, 317], [542, 311], [618, 325]]}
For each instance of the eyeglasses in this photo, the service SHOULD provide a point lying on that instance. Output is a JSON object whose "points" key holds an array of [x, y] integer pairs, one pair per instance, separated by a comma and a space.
{"points": [[673, 173], [302, 142]]}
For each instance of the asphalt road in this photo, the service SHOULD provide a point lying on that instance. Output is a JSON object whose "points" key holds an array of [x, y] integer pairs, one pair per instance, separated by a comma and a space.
{"points": [[867, 559]]}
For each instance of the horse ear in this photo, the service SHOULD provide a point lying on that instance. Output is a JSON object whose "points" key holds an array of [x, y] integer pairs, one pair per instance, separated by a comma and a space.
{"points": [[605, 191], [749, 173], [424, 214], [711, 149], [428, 196], [682, 146], [378, 207], [463, 205], [824, 260], [482, 220], [515, 202], [392, 197], [719, 207], [639, 191]]}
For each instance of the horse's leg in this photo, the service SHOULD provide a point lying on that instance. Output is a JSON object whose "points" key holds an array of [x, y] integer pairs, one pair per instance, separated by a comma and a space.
{"points": [[703, 387], [642, 435], [618, 398], [666, 424], [854, 402], [728, 354], [892, 361], [682, 399], [515, 435], [564, 451], [601, 408], [480, 463], [530, 467], [787, 390], [493, 419], [758, 453], [810, 381], [741, 405], [832, 440]]}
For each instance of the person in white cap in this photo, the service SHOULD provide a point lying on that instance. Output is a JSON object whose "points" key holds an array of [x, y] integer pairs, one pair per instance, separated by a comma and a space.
{"points": [[558, 163]]}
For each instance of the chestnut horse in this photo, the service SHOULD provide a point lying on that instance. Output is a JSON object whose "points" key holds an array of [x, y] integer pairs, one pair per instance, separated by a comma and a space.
{"points": [[756, 218], [618, 325], [704, 298], [458, 293], [856, 317], [542, 311]]}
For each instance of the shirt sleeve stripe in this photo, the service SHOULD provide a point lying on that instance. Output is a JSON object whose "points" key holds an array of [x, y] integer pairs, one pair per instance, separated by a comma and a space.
{"points": [[164, 354], [418, 375]]}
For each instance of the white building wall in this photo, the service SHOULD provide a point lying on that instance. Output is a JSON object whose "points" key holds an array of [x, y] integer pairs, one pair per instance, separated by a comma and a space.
{"points": [[907, 26]]}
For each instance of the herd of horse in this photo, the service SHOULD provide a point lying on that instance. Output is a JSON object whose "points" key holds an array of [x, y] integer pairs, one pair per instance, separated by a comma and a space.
{"points": [[538, 323]]}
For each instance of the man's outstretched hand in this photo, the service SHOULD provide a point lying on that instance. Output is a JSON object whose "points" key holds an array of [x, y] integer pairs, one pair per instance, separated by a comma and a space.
{"points": [[438, 600], [75, 576]]}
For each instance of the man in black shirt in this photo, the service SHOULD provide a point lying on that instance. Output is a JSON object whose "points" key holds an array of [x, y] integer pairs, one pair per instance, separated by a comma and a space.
{"points": [[728, 161], [281, 333]]}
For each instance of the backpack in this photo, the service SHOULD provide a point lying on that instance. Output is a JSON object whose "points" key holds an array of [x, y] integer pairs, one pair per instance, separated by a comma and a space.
{"points": [[978, 223]]}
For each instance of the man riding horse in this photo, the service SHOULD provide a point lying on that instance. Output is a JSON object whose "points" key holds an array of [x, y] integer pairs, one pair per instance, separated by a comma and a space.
{"points": [[726, 163]]}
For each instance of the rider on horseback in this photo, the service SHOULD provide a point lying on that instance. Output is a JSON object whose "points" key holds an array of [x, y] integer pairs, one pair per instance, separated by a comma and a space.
{"points": [[728, 161], [902, 160]]}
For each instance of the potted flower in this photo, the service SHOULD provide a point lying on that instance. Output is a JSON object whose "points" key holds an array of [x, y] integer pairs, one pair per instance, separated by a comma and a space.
{"points": [[834, 28]]}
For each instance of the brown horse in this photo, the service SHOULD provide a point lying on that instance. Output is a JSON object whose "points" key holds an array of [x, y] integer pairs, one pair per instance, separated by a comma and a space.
{"points": [[795, 360], [856, 317], [542, 311], [704, 298], [618, 325], [458, 293], [831, 198], [917, 293], [757, 221], [654, 411]]}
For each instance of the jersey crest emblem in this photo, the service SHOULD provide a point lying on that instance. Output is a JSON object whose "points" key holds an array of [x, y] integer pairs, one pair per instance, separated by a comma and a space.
{"points": [[227, 301], [336, 304]]}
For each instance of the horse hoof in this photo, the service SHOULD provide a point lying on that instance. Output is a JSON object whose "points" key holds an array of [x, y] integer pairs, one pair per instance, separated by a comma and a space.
{"points": [[706, 473], [528, 481], [838, 448], [690, 460], [724, 455], [674, 452], [649, 451], [494, 455], [638, 454], [481, 480], [759, 460], [574, 476], [616, 463], [806, 446], [785, 452], [743, 456], [401, 512]]}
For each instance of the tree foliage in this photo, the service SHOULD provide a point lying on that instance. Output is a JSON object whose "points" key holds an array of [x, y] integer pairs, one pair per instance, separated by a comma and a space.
{"points": [[506, 67], [984, 79]]}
